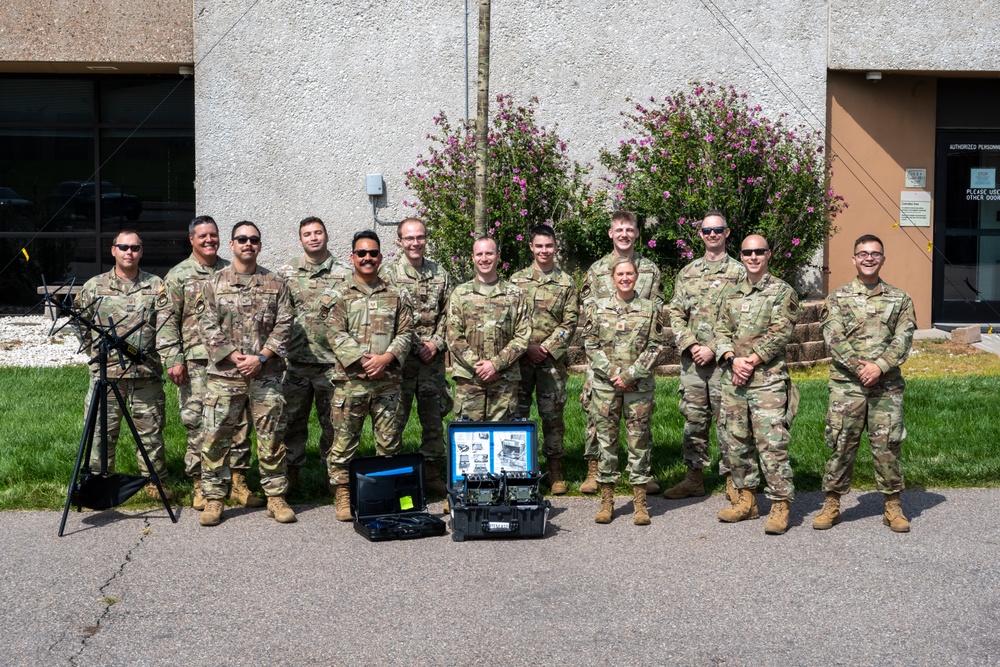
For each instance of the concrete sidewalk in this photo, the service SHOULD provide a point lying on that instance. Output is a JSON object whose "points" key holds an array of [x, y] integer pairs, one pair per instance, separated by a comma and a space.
{"points": [[134, 589]]}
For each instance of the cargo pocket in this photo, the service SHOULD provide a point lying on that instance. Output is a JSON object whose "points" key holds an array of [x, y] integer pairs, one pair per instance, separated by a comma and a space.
{"points": [[792, 407], [209, 413], [834, 429]]}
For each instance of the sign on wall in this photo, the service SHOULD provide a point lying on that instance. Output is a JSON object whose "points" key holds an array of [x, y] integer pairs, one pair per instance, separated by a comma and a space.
{"points": [[914, 209]]}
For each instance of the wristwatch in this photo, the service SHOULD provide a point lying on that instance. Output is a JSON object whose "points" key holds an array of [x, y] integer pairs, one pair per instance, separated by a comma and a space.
{"points": [[263, 359], [728, 361]]}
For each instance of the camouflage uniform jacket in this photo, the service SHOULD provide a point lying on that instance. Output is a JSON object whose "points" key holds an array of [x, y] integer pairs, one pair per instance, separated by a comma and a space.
{"points": [[427, 289], [180, 338], [598, 283], [758, 318], [554, 307], [369, 320], [697, 299], [126, 302], [625, 338], [308, 285], [488, 322], [862, 324], [245, 313]]}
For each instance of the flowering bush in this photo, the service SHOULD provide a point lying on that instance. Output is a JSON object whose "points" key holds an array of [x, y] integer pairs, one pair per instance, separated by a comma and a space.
{"points": [[707, 148], [531, 182]]}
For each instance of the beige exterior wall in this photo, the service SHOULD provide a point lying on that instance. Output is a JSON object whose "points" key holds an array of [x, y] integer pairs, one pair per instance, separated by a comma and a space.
{"points": [[878, 130], [63, 36]]}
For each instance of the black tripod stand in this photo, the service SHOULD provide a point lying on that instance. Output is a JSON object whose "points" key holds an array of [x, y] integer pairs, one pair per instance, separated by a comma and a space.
{"points": [[100, 490]]}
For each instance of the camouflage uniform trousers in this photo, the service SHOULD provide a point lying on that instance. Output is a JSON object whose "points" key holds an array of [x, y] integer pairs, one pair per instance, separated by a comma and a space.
{"points": [[429, 384], [493, 402], [225, 404], [353, 401], [853, 408], [147, 405], [189, 398], [304, 384], [756, 419], [608, 405], [701, 401], [548, 382]]}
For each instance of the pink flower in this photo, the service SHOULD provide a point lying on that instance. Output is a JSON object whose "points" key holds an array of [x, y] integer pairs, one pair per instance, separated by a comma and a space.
{"points": [[796, 241], [788, 254], [520, 237], [666, 194], [524, 211], [652, 243]]}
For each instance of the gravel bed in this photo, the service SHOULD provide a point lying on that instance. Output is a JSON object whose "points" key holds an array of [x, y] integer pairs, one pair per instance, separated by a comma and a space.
{"points": [[25, 341]]}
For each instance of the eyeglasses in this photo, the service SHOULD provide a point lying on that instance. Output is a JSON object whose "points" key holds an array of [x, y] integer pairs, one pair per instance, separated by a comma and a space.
{"points": [[864, 254], [364, 252], [124, 246], [243, 239], [410, 240], [707, 231], [746, 252]]}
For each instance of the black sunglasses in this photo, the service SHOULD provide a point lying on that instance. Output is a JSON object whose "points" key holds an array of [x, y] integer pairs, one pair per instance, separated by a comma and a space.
{"points": [[754, 251], [243, 239], [365, 252], [713, 230], [124, 246]]}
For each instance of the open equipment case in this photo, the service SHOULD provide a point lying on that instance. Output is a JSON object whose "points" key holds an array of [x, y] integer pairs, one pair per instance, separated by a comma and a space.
{"points": [[387, 498], [494, 487]]}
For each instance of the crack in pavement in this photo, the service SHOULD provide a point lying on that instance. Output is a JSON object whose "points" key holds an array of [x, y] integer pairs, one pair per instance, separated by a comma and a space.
{"points": [[89, 631]]}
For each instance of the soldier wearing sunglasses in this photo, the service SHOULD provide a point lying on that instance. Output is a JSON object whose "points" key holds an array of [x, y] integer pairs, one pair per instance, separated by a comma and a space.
{"points": [[370, 329], [246, 317], [868, 326], [758, 399], [694, 310], [127, 296]]}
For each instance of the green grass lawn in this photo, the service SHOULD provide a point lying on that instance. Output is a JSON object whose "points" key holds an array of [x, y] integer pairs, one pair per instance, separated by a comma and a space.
{"points": [[953, 425]]}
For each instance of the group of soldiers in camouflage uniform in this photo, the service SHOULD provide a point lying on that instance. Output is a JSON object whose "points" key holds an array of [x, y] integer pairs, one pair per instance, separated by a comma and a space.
{"points": [[245, 345]]}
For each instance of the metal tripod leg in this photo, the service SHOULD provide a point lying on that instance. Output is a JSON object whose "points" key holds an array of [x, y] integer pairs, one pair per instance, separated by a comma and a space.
{"points": [[153, 477], [86, 446]]}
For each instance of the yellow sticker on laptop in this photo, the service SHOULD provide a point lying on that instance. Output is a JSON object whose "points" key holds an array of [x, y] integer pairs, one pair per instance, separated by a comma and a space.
{"points": [[406, 503]]}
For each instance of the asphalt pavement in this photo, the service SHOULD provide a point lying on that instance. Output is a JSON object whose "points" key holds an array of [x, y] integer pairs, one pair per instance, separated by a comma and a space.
{"points": [[134, 589]]}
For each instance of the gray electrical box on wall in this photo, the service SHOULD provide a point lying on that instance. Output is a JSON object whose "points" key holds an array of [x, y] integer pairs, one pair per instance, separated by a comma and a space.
{"points": [[374, 184]]}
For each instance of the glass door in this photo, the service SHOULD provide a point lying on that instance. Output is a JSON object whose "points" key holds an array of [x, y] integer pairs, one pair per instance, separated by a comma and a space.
{"points": [[967, 229]]}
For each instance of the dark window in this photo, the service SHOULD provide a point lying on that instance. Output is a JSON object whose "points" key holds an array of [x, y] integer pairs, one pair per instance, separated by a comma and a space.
{"points": [[84, 158]]}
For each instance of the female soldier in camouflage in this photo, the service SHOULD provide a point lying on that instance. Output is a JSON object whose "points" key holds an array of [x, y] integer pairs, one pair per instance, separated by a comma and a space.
{"points": [[623, 339]]}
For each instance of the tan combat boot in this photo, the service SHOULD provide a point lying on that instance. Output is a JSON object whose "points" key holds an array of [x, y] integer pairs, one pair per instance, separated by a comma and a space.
{"points": [[198, 501], [342, 497], [830, 515], [434, 483], [692, 485], [555, 477], [777, 521], [212, 516], [640, 513], [241, 494], [279, 510], [732, 495], [151, 491], [590, 483], [607, 504], [745, 508], [894, 517]]}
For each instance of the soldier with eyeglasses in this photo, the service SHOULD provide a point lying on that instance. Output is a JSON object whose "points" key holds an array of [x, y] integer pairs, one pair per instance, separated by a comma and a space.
{"points": [[868, 326], [755, 323], [428, 286], [694, 309], [246, 318], [369, 328], [127, 296]]}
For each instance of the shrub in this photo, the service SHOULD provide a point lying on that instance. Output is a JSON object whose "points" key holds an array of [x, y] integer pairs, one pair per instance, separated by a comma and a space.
{"points": [[531, 182], [707, 148]]}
